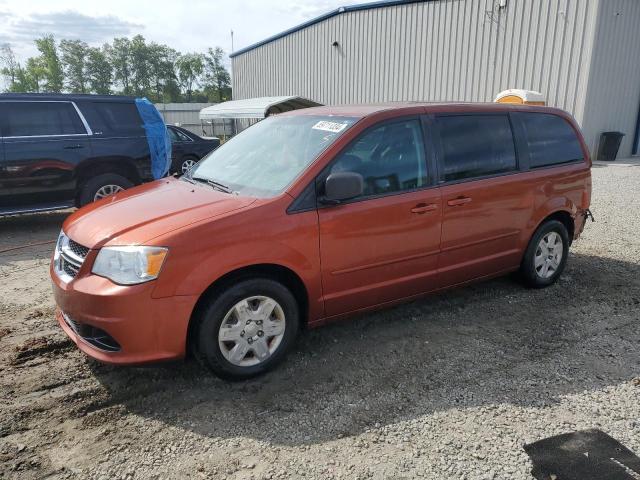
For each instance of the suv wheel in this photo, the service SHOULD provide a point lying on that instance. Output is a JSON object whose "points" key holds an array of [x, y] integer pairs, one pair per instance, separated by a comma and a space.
{"points": [[248, 329], [546, 255], [102, 186]]}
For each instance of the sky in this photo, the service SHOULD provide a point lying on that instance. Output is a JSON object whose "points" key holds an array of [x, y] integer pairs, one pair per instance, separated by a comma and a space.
{"points": [[187, 26]]}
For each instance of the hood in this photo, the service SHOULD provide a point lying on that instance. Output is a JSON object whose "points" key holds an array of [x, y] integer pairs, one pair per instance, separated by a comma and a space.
{"points": [[139, 214]]}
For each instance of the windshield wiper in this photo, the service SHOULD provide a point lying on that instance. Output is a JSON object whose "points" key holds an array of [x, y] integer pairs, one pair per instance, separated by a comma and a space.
{"points": [[217, 185]]}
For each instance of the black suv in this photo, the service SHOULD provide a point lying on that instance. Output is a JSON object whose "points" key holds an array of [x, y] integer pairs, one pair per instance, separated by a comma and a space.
{"points": [[188, 148], [60, 151]]}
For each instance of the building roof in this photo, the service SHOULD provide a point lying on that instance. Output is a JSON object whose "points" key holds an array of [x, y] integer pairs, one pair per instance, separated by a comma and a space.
{"points": [[313, 21], [260, 107]]}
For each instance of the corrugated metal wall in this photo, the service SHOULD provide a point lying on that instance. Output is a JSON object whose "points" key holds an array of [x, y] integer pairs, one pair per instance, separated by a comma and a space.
{"points": [[461, 50], [187, 115], [613, 96]]}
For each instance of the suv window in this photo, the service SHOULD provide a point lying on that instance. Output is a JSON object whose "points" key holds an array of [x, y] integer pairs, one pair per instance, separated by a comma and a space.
{"points": [[118, 118], [28, 119], [390, 158], [476, 146], [551, 140]]}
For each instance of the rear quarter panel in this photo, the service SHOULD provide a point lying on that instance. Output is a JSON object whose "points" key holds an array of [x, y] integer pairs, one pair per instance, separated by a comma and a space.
{"points": [[125, 145], [558, 189], [563, 188]]}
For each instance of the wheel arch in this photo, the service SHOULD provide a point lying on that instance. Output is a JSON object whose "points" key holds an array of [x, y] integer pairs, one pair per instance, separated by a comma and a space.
{"points": [[563, 216], [97, 166], [280, 273]]}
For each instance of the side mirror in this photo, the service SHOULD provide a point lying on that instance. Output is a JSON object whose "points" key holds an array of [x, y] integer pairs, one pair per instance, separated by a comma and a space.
{"points": [[342, 186]]}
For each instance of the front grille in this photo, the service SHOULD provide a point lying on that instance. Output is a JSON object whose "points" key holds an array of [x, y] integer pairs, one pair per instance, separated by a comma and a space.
{"points": [[69, 257], [78, 249], [93, 335], [68, 267]]}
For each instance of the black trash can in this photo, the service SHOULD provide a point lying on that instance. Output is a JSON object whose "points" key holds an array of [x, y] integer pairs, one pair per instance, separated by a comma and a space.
{"points": [[609, 145]]}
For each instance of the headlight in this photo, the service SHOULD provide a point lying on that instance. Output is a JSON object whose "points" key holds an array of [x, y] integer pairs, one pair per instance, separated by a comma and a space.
{"points": [[129, 265]]}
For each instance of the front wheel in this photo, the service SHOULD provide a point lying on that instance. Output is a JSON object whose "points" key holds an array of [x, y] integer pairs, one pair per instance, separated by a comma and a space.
{"points": [[247, 329], [546, 255]]}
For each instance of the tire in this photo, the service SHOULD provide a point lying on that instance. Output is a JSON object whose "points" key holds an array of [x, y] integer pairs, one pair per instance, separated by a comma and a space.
{"points": [[542, 265], [186, 163], [227, 316], [104, 182]]}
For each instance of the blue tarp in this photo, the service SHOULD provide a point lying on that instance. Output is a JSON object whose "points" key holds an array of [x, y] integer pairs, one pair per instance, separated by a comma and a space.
{"points": [[157, 137]]}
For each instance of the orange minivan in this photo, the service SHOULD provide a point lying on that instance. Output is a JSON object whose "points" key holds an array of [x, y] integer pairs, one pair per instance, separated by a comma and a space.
{"points": [[315, 214]]}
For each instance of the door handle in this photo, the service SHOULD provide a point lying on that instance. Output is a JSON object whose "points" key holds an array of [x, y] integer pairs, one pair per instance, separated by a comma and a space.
{"points": [[73, 147], [457, 202], [424, 208]]}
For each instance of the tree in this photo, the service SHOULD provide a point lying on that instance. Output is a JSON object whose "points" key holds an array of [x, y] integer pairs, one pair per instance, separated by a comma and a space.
{"points": [[99, 70], [18, 79], [190, 67], [10, 66], [74, 56], [140, 66], [49, 61], [35, 75], [217, 78], [125, 66], [162, 76], [119, 55]]}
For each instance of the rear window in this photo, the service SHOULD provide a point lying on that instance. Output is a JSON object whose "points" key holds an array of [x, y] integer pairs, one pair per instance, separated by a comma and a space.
{"points": [[551, 140], [117, 118], [28, 119], [476, 146]]}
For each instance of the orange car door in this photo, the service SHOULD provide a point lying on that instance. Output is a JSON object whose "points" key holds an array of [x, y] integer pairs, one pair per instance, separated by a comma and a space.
{"points": [[486, 204], [383, 245]]}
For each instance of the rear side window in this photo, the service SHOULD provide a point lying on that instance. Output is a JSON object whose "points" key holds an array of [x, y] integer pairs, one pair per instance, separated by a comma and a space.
{"points": [[178, 136], [28, 119], [551, 140], [390, 158], [117, 118], [173, 135], [476, 146]]}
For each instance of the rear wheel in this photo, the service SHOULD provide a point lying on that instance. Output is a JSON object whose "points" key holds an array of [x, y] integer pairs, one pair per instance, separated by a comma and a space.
{"points": [[102, 186], [546, 255], [247, 329], [187, 163]]}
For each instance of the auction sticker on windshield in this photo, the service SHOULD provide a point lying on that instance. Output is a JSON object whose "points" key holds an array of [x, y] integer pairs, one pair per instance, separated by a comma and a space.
{"points": [[329, 126]]}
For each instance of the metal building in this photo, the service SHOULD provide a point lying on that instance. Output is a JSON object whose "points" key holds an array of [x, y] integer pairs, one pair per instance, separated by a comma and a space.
{"points": [[583, 55]]}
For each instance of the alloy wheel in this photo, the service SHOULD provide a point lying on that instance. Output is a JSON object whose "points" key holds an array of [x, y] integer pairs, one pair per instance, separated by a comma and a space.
{"points": [[187, 164], [107, 190]]}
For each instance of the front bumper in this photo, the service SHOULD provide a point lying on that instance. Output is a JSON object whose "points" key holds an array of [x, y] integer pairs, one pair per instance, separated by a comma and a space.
{"points": [[145, 329]]}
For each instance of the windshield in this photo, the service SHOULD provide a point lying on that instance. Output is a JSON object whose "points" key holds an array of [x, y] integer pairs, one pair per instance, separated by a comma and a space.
{"points": [[265, 158]]}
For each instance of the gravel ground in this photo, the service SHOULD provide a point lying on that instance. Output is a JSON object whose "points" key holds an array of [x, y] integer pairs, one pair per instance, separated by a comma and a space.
{"points": [[451, 386]]}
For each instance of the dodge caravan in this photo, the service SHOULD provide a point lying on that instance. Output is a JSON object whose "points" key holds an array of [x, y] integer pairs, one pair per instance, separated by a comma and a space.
{"points": [[315, 214]]}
